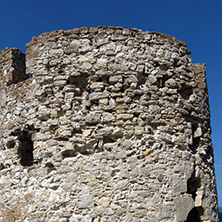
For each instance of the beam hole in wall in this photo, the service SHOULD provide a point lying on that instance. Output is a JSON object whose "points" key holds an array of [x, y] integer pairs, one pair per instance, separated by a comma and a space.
{"points": [[141, 78], [107, 139], [164, 67], [69, 153], [50, 167], [161, 81], [10, 144], [79, 81]]}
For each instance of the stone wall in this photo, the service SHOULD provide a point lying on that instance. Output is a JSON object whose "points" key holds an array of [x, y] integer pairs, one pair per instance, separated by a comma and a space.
{"points": [[124, 130]]}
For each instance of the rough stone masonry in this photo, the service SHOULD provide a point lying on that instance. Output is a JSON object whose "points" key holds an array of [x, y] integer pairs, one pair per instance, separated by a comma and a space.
{"points": [[105, 125]]}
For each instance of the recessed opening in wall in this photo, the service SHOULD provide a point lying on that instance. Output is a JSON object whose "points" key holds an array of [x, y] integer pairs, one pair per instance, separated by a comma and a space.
{"points": [[25, 149], [141, 79], [196, 140], [80, 81], [108, 139], [164, 67], [192, 186], [10, 144], [103, 79], [161, 81], [195, 215], [68, 153], [186, 92], [16, 78]]}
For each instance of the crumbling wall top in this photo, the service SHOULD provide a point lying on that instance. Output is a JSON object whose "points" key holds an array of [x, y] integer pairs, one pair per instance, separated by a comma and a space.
{"points": [[108, 30]]}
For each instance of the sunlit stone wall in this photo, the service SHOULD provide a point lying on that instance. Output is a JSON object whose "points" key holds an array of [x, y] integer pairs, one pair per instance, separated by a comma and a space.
{"points": [[123, 130]]}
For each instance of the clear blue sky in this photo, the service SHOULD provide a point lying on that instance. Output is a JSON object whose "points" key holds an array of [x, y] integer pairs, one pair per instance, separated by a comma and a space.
{"points": [[196, 22]]}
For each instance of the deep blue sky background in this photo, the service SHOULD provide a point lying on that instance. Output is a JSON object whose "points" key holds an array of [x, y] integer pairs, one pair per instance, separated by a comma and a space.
{"points": [[196, 22]]}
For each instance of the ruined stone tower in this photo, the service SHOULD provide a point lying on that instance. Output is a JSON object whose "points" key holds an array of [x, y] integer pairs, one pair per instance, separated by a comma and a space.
{"points": [[105, 124]]}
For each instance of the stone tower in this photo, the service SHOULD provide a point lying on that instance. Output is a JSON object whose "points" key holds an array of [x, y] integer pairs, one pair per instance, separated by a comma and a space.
{"points": [[105, 124]]}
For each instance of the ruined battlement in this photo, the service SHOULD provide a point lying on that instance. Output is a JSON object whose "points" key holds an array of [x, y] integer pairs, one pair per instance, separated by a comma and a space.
{"points": [[105, 124]]}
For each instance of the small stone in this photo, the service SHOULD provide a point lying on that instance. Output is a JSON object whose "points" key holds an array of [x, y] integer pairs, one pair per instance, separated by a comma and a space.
{"points": [[152, 79], [108, 117], [97, 85], [98, 219], [114, 79], [160, 52], [85, 65], [95, 96], [101, 64], [128, 218], [104, 201], [139, 130], [171, 83], [198, 132], [65, 133], [70, 50], [202, 85], [112, 102], [124, 116], [86, 202], [148, 153], [54, 62], [93, 118], [175, 56]]}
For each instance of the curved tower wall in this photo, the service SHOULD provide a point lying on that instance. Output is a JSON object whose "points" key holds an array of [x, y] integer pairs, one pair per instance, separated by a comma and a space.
{"points": [[124, 129]]}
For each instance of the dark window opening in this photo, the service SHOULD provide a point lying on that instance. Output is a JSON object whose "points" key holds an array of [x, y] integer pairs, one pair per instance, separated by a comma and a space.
{"points": [[194, 215], [192, 186], [186, 92], [25, 149]]}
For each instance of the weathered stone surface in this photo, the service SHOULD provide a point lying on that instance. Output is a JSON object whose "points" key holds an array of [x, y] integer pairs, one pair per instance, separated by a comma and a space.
{"points": [[124, 129], [183, 206], [93, 117]]}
